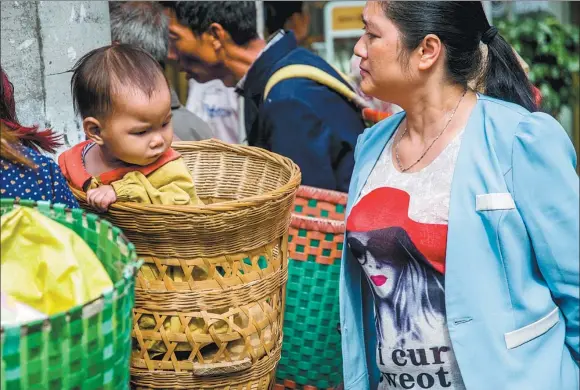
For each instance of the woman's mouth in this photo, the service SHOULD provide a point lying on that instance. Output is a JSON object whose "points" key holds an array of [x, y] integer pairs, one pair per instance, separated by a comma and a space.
{"points": [[379, 280]]}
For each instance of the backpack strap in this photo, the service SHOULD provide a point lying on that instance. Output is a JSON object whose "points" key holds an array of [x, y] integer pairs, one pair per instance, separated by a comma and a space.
{"points": [[314, 74]]}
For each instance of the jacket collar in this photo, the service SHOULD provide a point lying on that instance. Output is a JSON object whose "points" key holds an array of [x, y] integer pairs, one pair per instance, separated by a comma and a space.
{"points": [[255, 80]]}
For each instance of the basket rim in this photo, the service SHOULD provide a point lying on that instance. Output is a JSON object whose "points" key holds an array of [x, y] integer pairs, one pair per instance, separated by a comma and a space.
{"points": [[317, 224], [322, 194], [224, 206], [93, 306]]}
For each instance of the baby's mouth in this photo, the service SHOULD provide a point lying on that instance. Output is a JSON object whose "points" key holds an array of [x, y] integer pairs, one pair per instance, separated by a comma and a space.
{"points": [[379, 280]]}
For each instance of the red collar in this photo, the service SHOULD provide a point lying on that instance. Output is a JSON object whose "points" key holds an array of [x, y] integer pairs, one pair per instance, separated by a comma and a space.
{"points": [[73, 168]]}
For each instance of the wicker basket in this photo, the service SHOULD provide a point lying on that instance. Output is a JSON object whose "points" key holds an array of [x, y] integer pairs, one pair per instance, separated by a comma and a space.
{"points": [[311, 357], [209, 303], [87, 347]]}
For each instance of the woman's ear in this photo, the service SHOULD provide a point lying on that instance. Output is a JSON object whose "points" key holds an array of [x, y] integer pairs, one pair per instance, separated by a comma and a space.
{"points": [[429, 51], [92, 128]]}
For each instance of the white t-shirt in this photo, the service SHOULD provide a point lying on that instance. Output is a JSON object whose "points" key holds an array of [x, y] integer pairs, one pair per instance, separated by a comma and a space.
{"points": [[397, 230], [217, 105]]}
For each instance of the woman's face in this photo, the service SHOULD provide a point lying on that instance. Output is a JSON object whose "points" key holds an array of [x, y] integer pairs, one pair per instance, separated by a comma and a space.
{"points": [[374, 251], [382, 74]]}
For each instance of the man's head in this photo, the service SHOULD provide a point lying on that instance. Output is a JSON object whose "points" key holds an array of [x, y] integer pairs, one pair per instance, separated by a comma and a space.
{"points": [[203, 36], [287, 15], [140, 23], [122, 95]]}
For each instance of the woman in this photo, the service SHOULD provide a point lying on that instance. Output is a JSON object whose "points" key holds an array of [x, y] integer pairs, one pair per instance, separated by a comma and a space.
{"points": [[485, 188], [407, 286], [25, 172]]}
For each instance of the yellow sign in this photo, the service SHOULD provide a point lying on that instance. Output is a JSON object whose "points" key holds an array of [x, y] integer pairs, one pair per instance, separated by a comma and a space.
{"points": [[347, 18]]}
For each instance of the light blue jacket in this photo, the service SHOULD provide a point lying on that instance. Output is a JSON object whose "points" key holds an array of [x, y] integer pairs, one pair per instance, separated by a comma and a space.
{"points": [[512, 268]]}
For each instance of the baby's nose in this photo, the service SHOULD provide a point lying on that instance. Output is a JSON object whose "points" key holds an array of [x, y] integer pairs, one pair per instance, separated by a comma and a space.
{"points": [[156, 142]]}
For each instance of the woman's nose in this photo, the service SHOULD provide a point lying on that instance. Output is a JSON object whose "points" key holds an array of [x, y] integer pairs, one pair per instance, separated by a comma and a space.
{"points": [[360, 48]]}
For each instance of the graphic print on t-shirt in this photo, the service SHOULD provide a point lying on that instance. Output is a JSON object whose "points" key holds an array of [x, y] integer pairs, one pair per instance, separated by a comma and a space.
{"points": [[404, 261]]}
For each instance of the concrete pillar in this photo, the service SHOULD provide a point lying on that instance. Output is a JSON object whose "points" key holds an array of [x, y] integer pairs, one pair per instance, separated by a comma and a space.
{"points": [[41, 41]]}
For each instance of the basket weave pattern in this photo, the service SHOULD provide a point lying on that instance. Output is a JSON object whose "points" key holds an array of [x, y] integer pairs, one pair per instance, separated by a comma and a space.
{"points": [[311, 356], [87, 347], [210, 297]]}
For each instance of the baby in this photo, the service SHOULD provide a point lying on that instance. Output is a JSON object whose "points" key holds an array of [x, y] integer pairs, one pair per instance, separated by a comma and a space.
{"points": [[124, 100]]}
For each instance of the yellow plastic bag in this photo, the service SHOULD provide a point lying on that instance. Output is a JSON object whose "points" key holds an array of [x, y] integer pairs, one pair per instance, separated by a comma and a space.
{"points": [[46, 265]]}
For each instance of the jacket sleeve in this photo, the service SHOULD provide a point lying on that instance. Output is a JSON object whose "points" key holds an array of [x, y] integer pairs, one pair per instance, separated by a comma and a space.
{"points": [[545, 189], [295, 131]]}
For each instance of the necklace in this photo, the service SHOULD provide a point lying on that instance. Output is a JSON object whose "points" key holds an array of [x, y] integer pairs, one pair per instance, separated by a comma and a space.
{"points": [[432, 143]]}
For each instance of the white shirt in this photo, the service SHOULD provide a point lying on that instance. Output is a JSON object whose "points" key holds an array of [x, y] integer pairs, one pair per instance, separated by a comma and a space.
{"points": [[217, 105]]}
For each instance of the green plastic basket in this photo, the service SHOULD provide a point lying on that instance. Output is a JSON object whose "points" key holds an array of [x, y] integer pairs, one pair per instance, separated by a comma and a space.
{"points": [[312, 354], [89, 346]]}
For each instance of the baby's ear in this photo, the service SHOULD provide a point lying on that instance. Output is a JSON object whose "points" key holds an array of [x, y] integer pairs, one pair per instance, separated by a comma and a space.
{"points": [[92, 129]]}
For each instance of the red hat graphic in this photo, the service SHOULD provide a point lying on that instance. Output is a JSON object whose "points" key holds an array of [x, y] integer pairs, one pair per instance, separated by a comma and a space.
{"points": [[389, 207]]}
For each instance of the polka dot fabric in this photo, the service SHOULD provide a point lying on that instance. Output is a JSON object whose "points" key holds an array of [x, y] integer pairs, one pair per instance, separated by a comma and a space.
{"points": [[44, 183]]}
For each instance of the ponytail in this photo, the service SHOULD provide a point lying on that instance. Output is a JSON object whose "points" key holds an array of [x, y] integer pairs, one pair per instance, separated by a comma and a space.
{"points": [[503, 76]]}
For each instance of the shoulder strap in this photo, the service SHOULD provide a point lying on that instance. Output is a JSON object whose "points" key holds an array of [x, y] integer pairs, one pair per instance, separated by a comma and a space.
{"points": [[314, 74]]}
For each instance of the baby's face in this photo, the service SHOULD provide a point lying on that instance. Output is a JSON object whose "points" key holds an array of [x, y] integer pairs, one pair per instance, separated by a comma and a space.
{"points": [[139, 130]]}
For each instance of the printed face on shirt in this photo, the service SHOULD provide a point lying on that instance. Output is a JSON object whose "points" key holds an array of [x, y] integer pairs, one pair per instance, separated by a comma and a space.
{"points": [[378, 258], [195, 54], [139, 130]]}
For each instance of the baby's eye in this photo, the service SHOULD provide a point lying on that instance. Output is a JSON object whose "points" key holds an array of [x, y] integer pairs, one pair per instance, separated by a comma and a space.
{"points": [[140, 132]]}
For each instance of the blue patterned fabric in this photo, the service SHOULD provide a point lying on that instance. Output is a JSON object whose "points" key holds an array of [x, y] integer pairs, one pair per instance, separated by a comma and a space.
{"points": [[44, 183]]}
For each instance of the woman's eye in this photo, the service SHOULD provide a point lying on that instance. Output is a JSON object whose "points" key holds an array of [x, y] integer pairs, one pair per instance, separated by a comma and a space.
{"points": [[362, 259], [369, 34], [358, 253]]}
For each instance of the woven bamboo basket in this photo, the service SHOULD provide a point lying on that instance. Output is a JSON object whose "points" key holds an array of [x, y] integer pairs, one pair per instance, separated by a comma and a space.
{"points": [[311, 356], [210, 296], [87, 347]]}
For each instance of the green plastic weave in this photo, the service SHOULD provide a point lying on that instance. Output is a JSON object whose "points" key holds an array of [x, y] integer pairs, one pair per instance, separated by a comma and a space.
{"points": [[89, 346], [311, 354]]}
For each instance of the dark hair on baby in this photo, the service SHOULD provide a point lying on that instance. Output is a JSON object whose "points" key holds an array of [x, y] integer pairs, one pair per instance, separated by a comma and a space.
{"points": [[461, 26], [102, 72]]}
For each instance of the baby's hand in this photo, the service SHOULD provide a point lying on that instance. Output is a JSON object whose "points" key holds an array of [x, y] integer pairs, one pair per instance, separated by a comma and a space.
{"points": [[101, 198]]}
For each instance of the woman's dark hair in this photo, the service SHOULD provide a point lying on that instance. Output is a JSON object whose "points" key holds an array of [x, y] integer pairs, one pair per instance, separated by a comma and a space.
{"points": [[13, 135], [461, 26], [418, 294]]}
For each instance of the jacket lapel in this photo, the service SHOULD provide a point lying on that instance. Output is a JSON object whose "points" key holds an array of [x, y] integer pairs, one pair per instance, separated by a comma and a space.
{"points": [[371, 152], [477, 171]]}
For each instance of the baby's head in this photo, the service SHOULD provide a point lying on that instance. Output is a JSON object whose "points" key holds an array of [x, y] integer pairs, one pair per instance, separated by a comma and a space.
{"points": [[123, 97]]}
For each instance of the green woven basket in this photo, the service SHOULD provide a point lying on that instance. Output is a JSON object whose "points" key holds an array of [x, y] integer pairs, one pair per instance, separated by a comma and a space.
{"points": [[311, 354], [89, 346]]}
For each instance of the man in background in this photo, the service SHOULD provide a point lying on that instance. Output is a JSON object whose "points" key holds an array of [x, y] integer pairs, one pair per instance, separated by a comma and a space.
{"points": [[301, 119], [208, 97], [287, 15], [145, 25]]}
